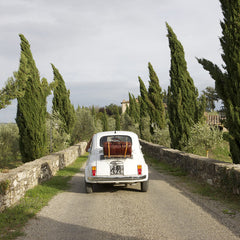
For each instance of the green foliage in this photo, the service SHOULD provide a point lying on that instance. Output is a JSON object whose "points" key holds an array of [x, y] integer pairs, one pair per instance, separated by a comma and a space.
{"points": [[105, 121], [128, 124], [161, 137], [211, 96], [220, 152], [9, 146], [146, 108], [134, 110], [93, 111], [156, 97], [112, 109], [144, 100], [61, 101], [203, 138], [227, 81], [144, 128], [84, 126], [118, 123], [31, 108], [11, 91], [183, 108], [111, 123], [58, 139]]}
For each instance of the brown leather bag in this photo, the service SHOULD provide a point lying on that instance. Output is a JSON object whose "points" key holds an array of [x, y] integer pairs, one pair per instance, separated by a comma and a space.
{"points": [[117, 149]]}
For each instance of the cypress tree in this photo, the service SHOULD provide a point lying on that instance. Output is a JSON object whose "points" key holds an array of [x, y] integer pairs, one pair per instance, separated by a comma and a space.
{"points": [[134, 110], [144, 99], [61, 101], [93, 111], [11, 91], [227, 82], [156, 97], [118, 125], [105, 121], [146, 108], [31, 108], [131, 109], [183, 107]]}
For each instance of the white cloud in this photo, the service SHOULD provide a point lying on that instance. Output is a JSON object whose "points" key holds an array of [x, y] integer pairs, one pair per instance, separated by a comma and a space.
{"points": [[95, 43]]}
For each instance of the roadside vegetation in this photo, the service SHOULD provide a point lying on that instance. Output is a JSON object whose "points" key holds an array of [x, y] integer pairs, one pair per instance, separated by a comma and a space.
{"points": [[14, 218]]}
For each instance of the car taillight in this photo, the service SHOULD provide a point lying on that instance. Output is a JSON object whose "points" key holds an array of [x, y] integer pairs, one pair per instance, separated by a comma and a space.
{"points": [[139, 167], [94, 169]]}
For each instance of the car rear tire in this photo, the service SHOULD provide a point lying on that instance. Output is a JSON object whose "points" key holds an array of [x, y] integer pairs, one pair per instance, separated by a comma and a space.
{"points": [[88, 187], [144, 186]]}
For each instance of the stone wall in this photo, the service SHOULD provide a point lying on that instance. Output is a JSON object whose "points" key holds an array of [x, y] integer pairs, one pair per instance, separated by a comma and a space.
{"points": [[214, 172], [15, 183]]}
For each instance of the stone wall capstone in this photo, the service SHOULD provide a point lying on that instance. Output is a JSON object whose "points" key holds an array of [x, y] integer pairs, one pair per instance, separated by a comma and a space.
{"points": [[214, 172], [15, 183]]}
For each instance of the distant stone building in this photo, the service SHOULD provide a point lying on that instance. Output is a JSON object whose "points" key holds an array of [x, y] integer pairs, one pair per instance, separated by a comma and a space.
{"points": [[125, 104], [214, 118]]}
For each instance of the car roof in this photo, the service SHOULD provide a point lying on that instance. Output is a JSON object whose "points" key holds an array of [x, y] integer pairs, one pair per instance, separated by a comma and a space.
{"points": [[99, 135], [123, 133]]}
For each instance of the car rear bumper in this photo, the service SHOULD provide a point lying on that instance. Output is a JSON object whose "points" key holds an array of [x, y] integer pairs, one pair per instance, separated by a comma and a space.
{"points": [[120, 179]]}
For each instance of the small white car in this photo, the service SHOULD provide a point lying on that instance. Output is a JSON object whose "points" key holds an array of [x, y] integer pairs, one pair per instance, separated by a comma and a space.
{"points": [[116, 158]]}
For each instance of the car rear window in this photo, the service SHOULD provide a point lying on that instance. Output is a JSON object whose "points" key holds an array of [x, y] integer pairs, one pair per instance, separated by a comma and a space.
{"points": [[114, 138]]}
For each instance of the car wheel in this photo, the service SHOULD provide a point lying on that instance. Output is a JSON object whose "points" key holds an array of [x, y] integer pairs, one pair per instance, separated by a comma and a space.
{"points": [[144, 186], [88, 187]]}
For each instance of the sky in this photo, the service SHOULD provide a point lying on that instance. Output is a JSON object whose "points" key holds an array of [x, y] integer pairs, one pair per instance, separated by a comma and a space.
{"points": [[100, 47]]}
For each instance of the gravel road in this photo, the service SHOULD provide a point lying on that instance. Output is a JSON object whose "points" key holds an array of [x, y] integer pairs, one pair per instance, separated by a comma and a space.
{"points": [[166, 211]]}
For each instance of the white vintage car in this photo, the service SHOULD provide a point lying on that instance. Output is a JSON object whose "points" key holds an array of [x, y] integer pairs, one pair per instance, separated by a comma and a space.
{"points": [[116, 158]]}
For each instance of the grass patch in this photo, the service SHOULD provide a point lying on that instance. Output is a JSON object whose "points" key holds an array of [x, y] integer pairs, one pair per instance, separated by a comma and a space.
{"points": [[8, 164], [13, 219], [221, 152], [164, 167]]}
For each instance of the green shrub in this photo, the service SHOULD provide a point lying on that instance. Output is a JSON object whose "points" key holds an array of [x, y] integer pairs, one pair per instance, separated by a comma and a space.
{"points": [[128, 124], [84, 126], [203, 138], [58, 139], [9, 145], [161, 137]]}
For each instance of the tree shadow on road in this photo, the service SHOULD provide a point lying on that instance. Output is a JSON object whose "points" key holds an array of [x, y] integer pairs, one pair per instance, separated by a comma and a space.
{"points": [[48, 229]]}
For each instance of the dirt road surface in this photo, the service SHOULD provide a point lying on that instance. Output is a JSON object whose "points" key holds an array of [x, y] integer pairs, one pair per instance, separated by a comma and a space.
{"points": [[165, 212]]}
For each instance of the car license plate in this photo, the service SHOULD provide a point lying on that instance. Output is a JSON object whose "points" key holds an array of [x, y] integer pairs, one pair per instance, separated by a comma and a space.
{"points": [[116, 168]]}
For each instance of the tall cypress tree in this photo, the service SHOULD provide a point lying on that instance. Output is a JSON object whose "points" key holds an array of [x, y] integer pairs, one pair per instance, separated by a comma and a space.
{"points": [[94, 115], [146, 107], [156, 97], [183, 107], [105, 121], [228, 82], [61, 101], [144, 99], [118, 124], [31, 108], [134, 110]]}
